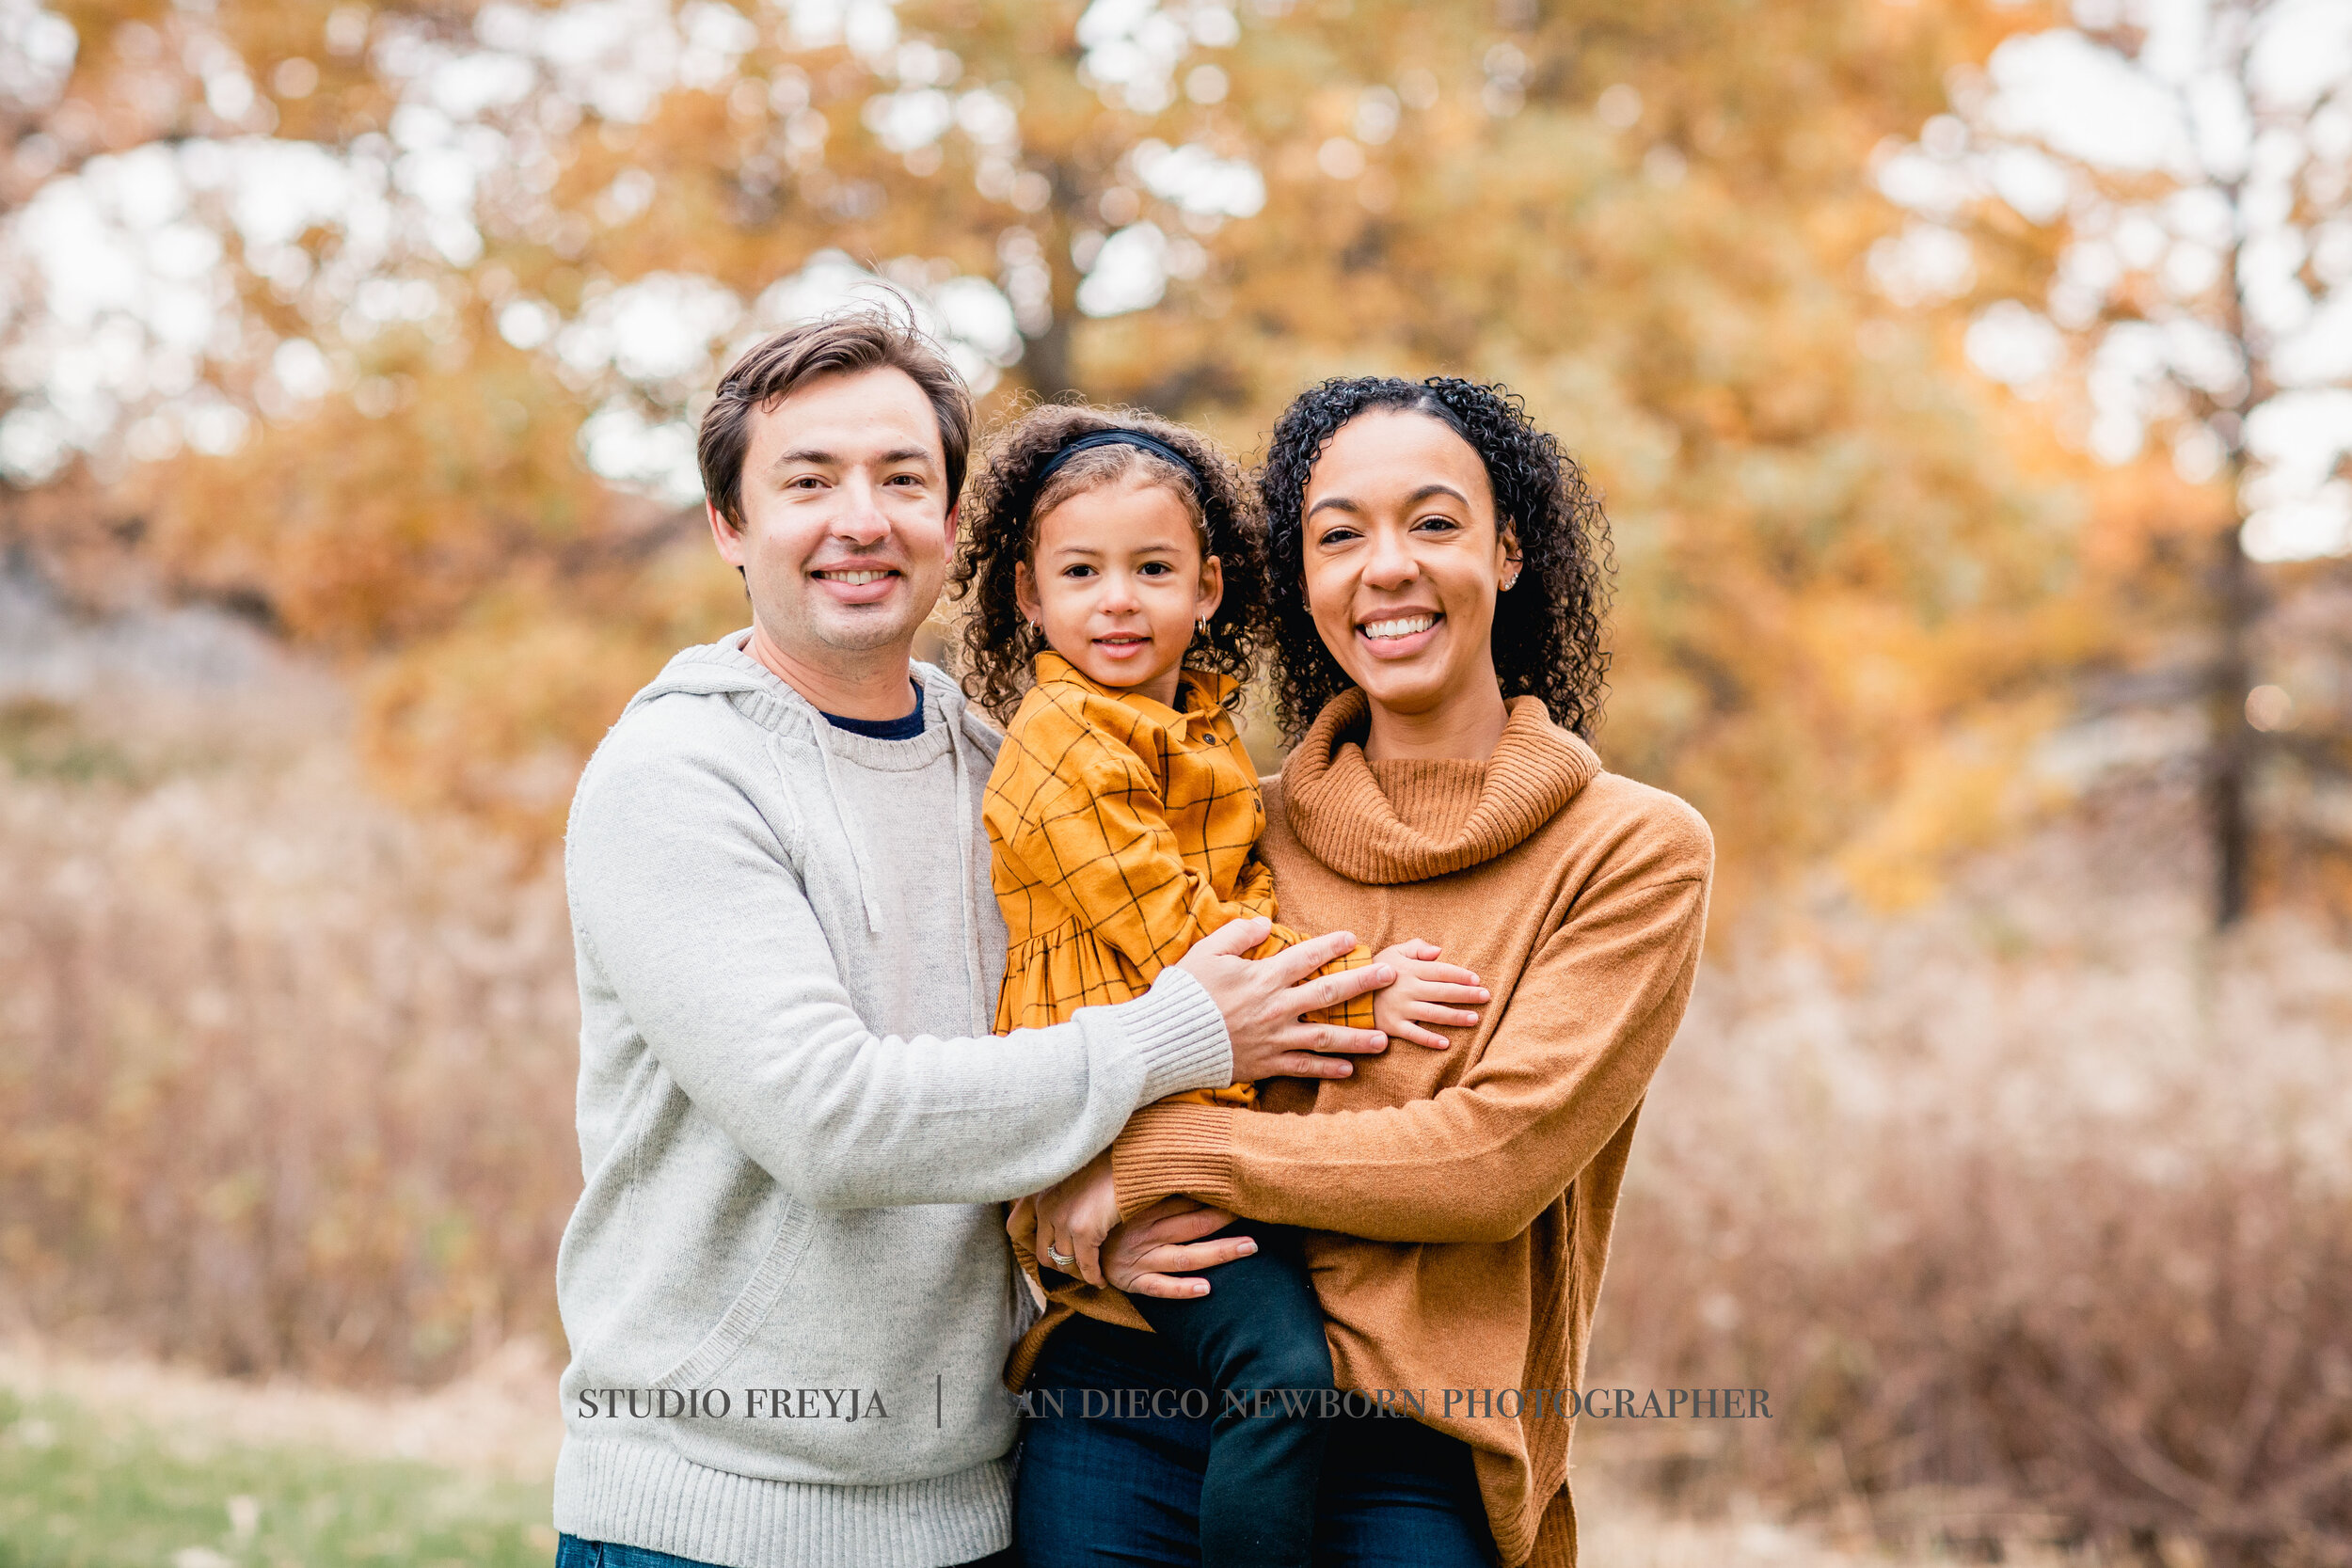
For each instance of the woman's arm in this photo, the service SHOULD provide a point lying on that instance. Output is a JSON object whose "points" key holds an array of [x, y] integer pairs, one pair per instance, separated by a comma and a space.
{"points": [[1588, 1023]]}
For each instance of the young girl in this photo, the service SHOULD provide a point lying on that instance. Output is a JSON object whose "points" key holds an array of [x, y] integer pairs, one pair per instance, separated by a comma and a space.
{"points": [[1119, 576]]}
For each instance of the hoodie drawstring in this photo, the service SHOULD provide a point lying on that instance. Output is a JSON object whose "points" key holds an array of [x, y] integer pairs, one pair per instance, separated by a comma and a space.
{"points": [[850, 828], [966, 855]]}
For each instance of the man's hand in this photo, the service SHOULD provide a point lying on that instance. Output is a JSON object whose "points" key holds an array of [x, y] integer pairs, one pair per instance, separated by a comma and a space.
{"points": [[1074, 1214], [1146, 1253], [1426, 992], [1263, 1001]]}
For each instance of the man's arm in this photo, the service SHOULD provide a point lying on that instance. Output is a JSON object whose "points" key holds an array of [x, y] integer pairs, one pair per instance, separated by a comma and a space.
{"points": [[688, 909]]}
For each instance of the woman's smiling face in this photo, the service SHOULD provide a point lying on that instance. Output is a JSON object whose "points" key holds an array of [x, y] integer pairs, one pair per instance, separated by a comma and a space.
{"points": [[1403, 556]]}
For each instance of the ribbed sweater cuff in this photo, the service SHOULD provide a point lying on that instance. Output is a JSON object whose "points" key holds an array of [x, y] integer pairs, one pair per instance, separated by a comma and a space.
{"points": [[642, 1494], [1174, 1148], [1182, 1036]]}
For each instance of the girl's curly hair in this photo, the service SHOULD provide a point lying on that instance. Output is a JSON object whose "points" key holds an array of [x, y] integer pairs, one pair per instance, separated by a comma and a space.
{"points": [[1547, 634], [999, 532]]}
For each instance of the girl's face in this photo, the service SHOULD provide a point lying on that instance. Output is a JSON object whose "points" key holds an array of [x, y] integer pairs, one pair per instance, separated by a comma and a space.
{"points": [[1116, 583], [1403, 559]]}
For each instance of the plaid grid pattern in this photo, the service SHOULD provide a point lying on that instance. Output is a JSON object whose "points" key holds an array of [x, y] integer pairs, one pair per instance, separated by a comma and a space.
{"points": [[1123, 832]]}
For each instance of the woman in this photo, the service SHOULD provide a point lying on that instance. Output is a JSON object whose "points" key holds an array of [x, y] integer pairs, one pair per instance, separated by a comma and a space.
{"points": [[1439, 575]]}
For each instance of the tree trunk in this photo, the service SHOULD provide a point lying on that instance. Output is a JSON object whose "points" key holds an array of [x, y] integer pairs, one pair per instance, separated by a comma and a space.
{"points": [[2230, 757], [2229, 767], [1045, 358], [1045, 362]]}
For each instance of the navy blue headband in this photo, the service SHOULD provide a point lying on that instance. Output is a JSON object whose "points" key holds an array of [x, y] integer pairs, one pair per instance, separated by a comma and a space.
{"points": [[1136, 438]]}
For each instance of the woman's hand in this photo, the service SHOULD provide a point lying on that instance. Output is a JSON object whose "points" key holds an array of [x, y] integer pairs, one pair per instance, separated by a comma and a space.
{"points": [[1426, 992], [1077, 1215], [1074, 1214], [1146, 1254]]}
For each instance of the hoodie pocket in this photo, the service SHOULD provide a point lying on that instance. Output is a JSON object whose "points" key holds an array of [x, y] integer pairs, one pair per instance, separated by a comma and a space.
{"points": [[752, 1303]]}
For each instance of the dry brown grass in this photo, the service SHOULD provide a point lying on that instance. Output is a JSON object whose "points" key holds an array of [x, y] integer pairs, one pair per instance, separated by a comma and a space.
{"points": [[285, 1079], [2031, 1209], [501, 1418], [2034, 1210]]}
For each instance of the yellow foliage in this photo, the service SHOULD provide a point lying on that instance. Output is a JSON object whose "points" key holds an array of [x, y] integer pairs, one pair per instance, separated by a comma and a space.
{"points": [[1968, 792], [494, 718], [362, 532], [1836, 545]]}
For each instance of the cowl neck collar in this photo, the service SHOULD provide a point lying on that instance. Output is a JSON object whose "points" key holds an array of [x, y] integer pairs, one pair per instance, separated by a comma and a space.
{"points": [[1202, 695], [1407, 821]]}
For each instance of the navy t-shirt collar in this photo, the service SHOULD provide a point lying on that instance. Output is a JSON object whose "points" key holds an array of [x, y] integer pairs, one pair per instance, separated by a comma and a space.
{"points": [[906, 728]]}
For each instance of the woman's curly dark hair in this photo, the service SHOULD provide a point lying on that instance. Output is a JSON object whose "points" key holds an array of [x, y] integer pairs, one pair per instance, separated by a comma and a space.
{"points": [[1548, 627], [999, 532]]}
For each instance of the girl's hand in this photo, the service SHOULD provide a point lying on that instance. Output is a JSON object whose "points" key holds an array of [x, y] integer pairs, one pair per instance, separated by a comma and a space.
{"points": [[1073, 1216], [1424, 992], [1146, 1253]]}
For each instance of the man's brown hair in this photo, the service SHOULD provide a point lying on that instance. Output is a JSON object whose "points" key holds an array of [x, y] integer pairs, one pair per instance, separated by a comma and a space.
{"points": [[845, 344]]}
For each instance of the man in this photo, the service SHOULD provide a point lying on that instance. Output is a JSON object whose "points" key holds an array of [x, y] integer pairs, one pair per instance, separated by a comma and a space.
{"points": [[787, 1287]]}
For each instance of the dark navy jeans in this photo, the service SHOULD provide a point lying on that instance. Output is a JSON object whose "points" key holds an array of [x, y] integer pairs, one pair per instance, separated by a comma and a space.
{"points": [[1254, 1340], [1125, 1488], [572, 1552]]}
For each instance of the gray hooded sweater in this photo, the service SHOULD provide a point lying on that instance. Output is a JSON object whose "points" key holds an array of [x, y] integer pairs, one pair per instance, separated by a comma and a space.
{"points": [[788, 1287]]}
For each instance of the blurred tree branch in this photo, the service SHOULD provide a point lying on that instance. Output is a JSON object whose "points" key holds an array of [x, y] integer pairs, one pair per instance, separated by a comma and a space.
{"points": [[2190, 272]]}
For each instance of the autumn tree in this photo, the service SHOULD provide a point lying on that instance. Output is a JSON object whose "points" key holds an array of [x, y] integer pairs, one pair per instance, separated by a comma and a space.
{"points": [[1845, 568], [128, 132], [2160, 205]]}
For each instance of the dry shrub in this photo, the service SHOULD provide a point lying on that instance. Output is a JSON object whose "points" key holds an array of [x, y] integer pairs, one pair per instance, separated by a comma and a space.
{"points": [[286, 1079], [2034, 1212]]}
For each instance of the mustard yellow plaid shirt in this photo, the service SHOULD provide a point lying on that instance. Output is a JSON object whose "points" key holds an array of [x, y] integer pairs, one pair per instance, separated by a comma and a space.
{"points": [[1123, 832]]}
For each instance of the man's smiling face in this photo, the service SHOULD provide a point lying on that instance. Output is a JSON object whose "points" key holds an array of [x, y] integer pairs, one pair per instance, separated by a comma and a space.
{"points": [[847, 519]]}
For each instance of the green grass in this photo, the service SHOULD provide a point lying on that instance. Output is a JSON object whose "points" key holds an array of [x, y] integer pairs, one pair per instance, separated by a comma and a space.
{"points": [[79, 1492]]}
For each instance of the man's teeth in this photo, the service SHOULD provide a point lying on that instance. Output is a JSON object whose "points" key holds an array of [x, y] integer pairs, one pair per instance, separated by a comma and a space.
{"points": [[855, 580], [1402, 627]]}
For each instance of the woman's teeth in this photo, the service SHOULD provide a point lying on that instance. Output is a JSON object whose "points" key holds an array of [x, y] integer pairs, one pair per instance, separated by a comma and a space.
{"points": [[1404, 625], [855, 580]]}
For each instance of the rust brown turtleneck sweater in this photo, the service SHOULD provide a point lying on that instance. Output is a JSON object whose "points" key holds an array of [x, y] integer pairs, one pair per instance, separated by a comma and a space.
{"points": [[1464, 1196]]}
